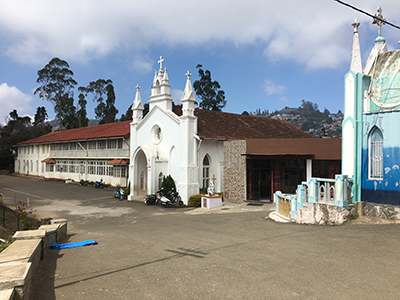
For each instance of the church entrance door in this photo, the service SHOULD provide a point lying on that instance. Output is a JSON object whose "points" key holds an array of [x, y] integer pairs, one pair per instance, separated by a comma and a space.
{"points": [[140, 174], [258, 180]]}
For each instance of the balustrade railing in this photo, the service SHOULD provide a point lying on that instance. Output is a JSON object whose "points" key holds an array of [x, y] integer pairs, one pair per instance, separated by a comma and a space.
{"points": [[330, 191]]}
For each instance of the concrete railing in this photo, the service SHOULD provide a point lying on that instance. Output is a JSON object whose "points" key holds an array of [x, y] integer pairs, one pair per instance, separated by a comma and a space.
{"points": [[336, 192], [19, 262]]}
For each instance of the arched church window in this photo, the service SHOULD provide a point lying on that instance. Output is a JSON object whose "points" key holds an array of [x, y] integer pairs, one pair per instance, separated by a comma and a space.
{"points": [[160, 178], [375, 154], [206, 171], [142, 180]]}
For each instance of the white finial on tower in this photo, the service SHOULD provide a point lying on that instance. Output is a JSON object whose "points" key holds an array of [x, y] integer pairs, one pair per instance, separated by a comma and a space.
{"points": [[356, 64], [188, 98], [137, 104], [161, 61], [379, 20]]}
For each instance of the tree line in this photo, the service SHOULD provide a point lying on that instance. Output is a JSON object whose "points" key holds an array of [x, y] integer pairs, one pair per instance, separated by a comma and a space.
{"points": [[57, 86]]}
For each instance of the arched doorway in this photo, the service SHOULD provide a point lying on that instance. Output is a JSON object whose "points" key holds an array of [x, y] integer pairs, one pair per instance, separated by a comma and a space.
{"points": [[140, 174]]}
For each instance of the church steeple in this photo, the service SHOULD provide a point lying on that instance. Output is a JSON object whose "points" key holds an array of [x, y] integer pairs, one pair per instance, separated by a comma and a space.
{"points": [[160, 91], [380, 42], [137, 107], [188, 98], [356, 65]]}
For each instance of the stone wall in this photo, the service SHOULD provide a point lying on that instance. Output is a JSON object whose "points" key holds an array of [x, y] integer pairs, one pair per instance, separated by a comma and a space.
{"points": [[323, 214], [235, 171], [19, 262], [382, 211]]}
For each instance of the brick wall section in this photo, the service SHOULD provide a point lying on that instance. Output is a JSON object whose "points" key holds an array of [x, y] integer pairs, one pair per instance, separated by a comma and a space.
{"points": [[235, 171]]}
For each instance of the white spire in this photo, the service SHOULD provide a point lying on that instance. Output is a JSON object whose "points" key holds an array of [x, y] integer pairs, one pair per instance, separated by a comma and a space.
{"points": [[137, 107], [188, 98], [356, 64], [188, 94], [137, 104]]}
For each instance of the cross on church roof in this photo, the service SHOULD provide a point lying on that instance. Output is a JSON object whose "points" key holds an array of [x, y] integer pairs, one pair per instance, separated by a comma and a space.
{"points": [[160, 62], [379, 20], [188, 74], [138, 87]]}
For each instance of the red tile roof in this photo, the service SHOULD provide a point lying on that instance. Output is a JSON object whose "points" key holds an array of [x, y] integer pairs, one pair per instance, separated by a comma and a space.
{"points": [[217, 124], [211, 124], [117, 162], [120, 129], [316, 148]]}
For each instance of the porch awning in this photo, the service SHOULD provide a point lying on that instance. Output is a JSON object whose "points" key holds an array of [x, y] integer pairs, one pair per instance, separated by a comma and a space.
{"points": [[117, 162], [49, 160]]}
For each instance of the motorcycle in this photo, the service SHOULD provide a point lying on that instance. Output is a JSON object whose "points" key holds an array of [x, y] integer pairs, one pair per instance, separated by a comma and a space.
{"points": [[99, 184], [171, 199], [119, 193], [152, 199]]}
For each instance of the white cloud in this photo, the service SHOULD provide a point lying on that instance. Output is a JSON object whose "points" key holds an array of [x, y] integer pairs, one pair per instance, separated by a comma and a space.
{"points": [[176, 96], [12, 98], [273, 89], [313, 33]]}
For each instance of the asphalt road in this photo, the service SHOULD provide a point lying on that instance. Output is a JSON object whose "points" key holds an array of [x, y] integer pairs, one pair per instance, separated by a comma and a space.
{"points": [[147, 252]]}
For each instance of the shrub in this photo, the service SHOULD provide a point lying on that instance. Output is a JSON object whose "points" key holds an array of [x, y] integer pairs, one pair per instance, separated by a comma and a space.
{"points": [[195, 200], [83, 182], [167, 184]]}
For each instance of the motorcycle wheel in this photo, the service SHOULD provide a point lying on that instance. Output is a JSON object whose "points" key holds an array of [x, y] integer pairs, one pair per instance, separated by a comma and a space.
{"points": [[181, 203]]}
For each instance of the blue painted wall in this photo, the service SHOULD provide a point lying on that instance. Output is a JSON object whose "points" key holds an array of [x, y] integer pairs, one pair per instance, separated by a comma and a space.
{"points": [[387, 190]]}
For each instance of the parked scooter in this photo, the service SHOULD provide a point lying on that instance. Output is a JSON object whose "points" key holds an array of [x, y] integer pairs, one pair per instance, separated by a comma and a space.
{"points": [[171, 199], [99, 184], [119, 193], [152, 199]]}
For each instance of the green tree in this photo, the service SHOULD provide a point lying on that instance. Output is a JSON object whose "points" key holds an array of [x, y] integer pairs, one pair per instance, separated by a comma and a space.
{"points": [[212, 98], [103, 93], [128, 115], [245, 113], [17, 129], [83, 120], [56, 84], [68, 111], [40, 116]]}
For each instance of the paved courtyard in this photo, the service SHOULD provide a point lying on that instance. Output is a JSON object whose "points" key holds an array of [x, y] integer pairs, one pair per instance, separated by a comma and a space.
{"points": [[147, 252]]}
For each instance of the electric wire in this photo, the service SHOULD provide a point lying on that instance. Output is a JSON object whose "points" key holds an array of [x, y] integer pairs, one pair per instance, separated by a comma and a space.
{"points": [[366, 13]]}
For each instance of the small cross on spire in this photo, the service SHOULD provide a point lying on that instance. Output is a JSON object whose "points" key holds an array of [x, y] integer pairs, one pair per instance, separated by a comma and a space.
{"points": [[160, 62], [138, 87], [355, 24], [379, 20], [188, 74]]}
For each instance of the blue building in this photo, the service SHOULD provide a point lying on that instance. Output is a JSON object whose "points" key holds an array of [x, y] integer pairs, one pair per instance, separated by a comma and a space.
{"points": [[371, 124]]}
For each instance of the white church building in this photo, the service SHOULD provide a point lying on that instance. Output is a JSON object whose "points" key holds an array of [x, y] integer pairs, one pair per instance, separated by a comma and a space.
{"points": [[193, 145]]}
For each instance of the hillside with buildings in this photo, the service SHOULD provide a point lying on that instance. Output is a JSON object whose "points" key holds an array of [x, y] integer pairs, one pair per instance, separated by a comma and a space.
{"points": [[308, 118]]}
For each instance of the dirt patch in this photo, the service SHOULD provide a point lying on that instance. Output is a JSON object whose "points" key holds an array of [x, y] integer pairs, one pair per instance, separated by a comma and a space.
{"points": [[5, 233]]}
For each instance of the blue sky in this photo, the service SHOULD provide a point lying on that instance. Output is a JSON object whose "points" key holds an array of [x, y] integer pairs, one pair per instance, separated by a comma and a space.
{"points": [[265, 54]]}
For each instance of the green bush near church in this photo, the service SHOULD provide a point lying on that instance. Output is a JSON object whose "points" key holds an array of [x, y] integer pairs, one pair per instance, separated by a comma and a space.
{"points": [[194, 201]]}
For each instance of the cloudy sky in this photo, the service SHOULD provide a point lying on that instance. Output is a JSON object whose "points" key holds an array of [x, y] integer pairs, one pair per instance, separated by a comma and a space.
{"points": [[265, 54]]}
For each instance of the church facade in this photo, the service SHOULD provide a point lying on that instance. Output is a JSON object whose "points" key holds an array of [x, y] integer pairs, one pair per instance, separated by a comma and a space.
{"points": [[371, 143]]}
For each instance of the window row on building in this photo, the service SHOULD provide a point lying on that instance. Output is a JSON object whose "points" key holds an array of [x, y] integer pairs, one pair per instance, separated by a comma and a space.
{"points": [[68, 146], [93, 167]]}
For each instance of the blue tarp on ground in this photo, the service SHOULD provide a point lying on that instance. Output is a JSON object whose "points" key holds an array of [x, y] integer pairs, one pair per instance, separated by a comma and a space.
{"points": [[56, 246]]}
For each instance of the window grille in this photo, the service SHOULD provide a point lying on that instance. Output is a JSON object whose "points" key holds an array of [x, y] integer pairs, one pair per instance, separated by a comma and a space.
{"points": [[206, 172], [376, 154]]}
